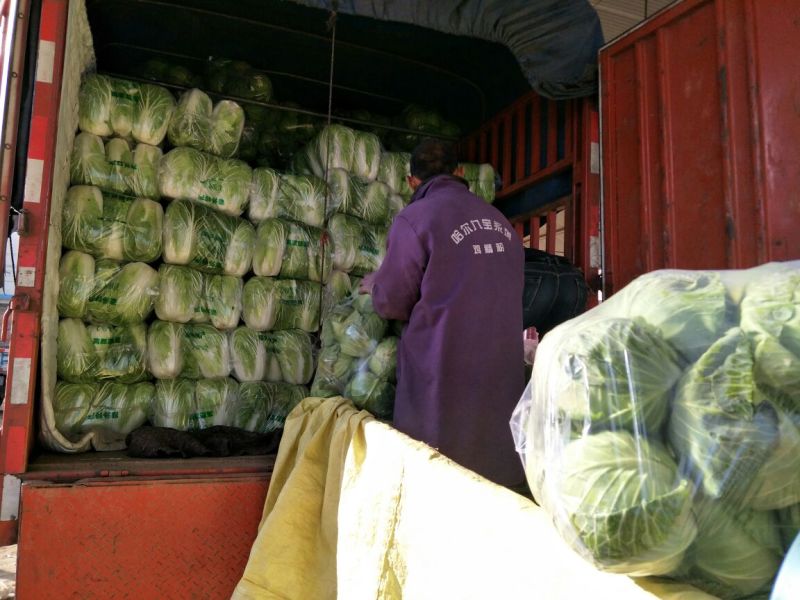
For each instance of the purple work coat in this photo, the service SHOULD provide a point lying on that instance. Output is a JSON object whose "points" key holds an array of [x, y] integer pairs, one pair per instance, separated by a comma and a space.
{"points": [[454, 270]]}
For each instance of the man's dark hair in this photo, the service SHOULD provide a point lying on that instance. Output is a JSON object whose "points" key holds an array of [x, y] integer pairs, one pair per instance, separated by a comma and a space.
{"points": [[433, 157]]}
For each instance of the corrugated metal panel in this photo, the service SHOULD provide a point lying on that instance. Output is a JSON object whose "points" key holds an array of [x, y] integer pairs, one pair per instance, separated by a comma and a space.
{"points": [[186, 538], [700, 127]]}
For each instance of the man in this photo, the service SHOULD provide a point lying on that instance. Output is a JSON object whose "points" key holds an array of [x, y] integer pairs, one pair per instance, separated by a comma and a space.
{"points": [[454, 271]]}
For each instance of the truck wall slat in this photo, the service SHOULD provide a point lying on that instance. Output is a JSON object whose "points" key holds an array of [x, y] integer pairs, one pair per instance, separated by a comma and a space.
{"points": [[700, 124]]}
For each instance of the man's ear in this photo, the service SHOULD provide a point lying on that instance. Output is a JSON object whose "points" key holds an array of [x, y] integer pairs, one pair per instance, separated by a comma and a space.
{"points": [[459, 172]]}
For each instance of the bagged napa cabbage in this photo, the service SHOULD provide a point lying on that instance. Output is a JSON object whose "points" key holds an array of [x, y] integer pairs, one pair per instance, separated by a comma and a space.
{"points": [[76, 282], [190, 351], [291, 251], [639, 522], [221, 183], [206, 353], [107, 225], [332, 148], [173, 404], [71, 404], [481, 180], [113, 293], [165, 354], [338, 287], [357, 360], [198, 123], [115, 107], [207, 240], [114, 166], [277, 304], [297, 197], [272, 356], [101, 352], [180, 294], [187, 295], [214, 403], [121, 352], [366, 155], [118, 409], [357, 247], [394, 169], [262, 407], [371, 201]]}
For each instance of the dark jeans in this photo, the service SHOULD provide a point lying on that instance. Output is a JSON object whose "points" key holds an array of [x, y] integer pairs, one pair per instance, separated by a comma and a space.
{"points": [[554, 292]]}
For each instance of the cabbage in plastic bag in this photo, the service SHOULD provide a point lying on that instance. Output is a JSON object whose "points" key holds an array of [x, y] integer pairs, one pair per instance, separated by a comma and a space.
{"points": [[122, 293], [198, 124], [115, 166], [215, 402], [277, 304], [207, 240], [221, 183], [109, 106], [107, 225], [291, 251]]}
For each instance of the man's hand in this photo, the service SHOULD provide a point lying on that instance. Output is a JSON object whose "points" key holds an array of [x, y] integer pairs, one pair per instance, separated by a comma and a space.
{"points": [[365, 287]]}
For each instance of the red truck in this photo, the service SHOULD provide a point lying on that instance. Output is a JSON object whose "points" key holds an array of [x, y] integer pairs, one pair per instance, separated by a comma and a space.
{"points": [[686, 158]]}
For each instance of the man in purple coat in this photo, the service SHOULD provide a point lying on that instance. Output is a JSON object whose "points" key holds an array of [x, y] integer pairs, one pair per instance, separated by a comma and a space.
{"points": [[454, 271]]}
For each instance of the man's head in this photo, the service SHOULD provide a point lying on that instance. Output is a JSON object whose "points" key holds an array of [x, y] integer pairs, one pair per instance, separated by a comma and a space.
{"points": [[431, 158]]}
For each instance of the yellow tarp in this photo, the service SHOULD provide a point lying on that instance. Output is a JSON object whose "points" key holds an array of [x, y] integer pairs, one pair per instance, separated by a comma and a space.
{"points": [[359, 511]]}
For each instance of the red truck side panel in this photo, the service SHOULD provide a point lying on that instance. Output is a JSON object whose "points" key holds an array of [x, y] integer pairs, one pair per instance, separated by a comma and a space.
{"points": [[181, 538], [700, 121]]}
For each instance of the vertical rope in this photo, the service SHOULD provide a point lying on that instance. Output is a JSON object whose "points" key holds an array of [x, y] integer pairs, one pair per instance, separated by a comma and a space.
{"points": [[325, 241]]}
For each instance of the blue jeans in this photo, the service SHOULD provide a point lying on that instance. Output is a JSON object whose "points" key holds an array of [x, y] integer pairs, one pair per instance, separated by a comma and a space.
{"points": [[554, 292]]}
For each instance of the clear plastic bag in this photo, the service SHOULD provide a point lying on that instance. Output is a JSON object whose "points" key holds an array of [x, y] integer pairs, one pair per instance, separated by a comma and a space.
{"points": [[116, 107], [105, 291], [358, 247], [114, 166], [206, 239], [299, 198], [291, 250], [187, 295], [220, 183], [358, 358], [661, 430], [113, 409], [198, 123], [108, 225], [275, 304]]}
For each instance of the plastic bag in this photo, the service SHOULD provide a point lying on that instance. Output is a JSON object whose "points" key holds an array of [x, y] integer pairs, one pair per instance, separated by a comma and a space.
{"points": [[114, 166], [208, 240], [105, 291], [661, 429], [358, 358], [220, 183], [302, 198], [198, 123], [109, 225], [109, 106], [291, 250], [275, 304]]}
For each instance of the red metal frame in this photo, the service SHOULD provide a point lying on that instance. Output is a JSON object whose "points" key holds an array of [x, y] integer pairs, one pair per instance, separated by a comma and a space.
{"points": [[137, 538], [581, 154], [700, 129], [17, 25], [16, 434], [483, 145]]}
